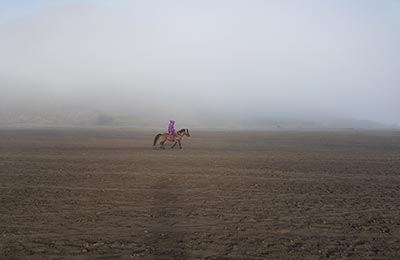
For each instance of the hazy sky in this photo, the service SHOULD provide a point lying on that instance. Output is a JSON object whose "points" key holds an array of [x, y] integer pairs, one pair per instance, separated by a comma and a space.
{"points": [[337, 58]]}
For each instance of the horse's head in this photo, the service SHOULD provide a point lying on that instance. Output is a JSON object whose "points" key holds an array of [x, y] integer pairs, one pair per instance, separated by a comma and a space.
{"points": [[187, 132], [184, 131]]}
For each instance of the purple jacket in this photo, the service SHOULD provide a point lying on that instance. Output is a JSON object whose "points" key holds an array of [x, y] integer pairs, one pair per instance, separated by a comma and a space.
{"points": [[171, 128]]}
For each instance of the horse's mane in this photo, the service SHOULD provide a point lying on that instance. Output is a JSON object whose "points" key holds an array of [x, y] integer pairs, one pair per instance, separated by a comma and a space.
{"points": [[182, 130]]}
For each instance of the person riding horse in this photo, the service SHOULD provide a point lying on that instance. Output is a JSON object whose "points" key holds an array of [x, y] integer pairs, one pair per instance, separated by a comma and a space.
{"points": [[171, 128], [171, 136]]}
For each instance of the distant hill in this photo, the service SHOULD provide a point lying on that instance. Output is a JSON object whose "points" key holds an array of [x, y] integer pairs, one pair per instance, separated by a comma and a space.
{"points": [[261, 123], [79, 117]]}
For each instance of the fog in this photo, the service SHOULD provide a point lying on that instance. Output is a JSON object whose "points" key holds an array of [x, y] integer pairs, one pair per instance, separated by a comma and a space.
{"points": [[239, 64]]}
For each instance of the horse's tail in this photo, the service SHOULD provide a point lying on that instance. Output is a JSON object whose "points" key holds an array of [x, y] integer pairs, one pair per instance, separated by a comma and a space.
{"points": [[156, 138]]}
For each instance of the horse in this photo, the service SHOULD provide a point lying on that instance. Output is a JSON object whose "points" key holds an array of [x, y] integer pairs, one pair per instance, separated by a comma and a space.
{"points": [[177, 139]]}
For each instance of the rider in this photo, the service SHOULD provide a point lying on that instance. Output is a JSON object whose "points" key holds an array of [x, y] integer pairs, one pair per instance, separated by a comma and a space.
{"points": [[171, 129]]}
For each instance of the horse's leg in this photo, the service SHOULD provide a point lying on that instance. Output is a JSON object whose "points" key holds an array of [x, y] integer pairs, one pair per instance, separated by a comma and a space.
{"points": [[162, 143], [180, 145], [174, 145]]}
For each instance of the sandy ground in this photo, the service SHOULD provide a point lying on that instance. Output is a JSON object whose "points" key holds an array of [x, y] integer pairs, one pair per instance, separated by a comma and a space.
{"points": [[108, 194]]}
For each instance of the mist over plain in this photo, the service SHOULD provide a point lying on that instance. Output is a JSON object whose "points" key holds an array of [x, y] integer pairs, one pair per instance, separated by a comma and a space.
{"points": [[233, 64]]}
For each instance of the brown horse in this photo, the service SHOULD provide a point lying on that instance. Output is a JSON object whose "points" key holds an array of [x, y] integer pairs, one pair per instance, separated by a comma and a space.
{"points": [[166, 137]]}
